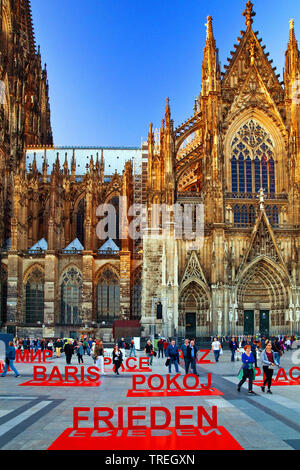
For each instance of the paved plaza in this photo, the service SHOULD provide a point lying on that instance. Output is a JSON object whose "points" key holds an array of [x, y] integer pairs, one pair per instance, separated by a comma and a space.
{"points": [[34, 417]]}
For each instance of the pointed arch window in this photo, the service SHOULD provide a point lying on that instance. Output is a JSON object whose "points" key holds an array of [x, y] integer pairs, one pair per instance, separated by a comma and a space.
{"points": [[237, 215], [273, 215], [272, 175], [34, 297], [253, 146], [234, 174], [71, 293], [244, 215], [108, 296], [80, 221], [257, 175], [3, 295], [137, 294], [241, 173]]}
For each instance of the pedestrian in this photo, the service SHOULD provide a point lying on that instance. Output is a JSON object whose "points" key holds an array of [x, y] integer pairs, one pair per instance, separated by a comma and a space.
{"points": [[233, 346], [191, 357], [58, 346], [253, 345], [276, 350], [93, 353], [160, 345], [9, 360], [132, 349], [99, 353], [247, 370], [184, 352], [117, 359], [172, 354], [268, 362], [50, 345], [90, 344], [288, 344], [80, 352], [69, 349], [149, 352], [216, 348], [85, 346], [122, 346]]}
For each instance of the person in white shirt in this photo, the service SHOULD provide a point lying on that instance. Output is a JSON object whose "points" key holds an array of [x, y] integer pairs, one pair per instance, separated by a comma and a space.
{"points": [[216, 348]]}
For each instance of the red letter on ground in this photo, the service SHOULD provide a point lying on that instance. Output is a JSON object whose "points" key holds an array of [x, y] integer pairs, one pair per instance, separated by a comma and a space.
{"points": [[77, 418], [37, 371]]}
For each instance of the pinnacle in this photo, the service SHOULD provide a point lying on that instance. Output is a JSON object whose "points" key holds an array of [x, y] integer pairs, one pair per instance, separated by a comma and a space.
{"points": [[292, 38], [249, 14]]}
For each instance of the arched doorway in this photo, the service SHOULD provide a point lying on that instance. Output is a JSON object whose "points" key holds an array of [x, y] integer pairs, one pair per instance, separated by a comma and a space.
{"points": [[263, 299], [194, 310]]}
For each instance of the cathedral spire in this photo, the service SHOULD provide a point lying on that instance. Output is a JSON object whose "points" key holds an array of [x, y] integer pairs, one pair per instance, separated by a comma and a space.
{"points": [[292, 38], [167, 113], [249, 14], [209, 32], [210, 66], [292, 62]]}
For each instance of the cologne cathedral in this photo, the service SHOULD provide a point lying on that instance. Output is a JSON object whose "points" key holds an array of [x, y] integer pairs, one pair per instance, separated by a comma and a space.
{"points": [[237, 157]]}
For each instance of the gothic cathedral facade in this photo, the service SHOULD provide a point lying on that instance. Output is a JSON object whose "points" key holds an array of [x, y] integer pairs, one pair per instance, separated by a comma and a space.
{"points": [[237, 158]]}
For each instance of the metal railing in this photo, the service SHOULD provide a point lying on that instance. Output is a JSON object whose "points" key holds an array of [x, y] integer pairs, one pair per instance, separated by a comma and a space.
{"points": [[267, 196]]}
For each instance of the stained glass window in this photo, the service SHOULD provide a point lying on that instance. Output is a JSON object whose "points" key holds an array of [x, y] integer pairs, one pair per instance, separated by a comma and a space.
{"points": [[234, 174], [137, 295], [252, 147], [34, 297], [108, 296], [244, 215], [71, 293], [80, 221], [241, 174], [3, 295]]}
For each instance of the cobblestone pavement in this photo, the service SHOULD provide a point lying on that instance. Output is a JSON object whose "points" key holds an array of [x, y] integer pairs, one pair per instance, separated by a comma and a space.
{"points": [[34, 417]]}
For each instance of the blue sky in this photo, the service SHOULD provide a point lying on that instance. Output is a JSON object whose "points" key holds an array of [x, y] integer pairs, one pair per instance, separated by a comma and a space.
{"points": [[112, 63]]}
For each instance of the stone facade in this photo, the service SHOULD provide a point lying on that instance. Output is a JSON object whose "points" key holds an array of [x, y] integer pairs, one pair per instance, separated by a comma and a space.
{"points": [[237, 159], [238, 156]]}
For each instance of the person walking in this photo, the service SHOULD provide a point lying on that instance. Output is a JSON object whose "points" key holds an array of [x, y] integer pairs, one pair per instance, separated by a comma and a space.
{"points": [[247, 370], [191, 358], [36, 344], [276, 350], [253, 344], [94, 357], [85, 346], [216, 348], [99, 353], [160, 345], [233, 346], [184, 352], [117, 359], [268, 362], [9, 360], [80, 352], [122, 346], [69, 350], [132, 349], [172, 354], [288, 343], [58, 345], [149, 352]]}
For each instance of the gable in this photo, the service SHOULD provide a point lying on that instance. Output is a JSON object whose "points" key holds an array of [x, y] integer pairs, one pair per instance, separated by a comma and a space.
{"points": [[193, 269], [249, 52], [253, 94]]}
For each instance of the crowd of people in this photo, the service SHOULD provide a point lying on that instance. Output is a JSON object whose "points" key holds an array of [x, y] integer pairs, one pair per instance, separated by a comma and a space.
{"points": [[249, 347]]}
